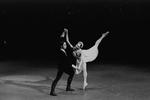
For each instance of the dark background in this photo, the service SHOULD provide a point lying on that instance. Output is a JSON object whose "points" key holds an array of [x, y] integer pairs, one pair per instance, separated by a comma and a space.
{"points": [[30, 28]]}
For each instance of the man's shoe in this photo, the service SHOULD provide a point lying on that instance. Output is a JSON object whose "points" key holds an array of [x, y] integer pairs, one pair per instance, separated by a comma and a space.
{"points": [[53, 94], [53, 89], [70, 89]]}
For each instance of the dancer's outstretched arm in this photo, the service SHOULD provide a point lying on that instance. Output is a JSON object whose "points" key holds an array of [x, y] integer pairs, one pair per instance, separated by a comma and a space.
{"points": [[67, 38]]}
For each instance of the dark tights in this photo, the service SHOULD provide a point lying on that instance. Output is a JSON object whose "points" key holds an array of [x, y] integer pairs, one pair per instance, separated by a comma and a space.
{"points": [[59, 74]]}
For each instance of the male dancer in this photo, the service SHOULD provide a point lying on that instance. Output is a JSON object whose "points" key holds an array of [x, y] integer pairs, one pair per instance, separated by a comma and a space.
{"points": [[64, 64]]}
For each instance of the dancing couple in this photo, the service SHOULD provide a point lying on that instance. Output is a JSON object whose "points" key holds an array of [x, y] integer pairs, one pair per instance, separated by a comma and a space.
{"points": [[73, 59]]}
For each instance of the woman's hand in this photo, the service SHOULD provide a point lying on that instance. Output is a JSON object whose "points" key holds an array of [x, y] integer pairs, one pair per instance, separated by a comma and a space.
{"points": [[65, 30]]}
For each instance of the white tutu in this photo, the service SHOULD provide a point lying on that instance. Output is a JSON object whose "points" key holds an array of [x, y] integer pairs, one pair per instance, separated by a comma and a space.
{"points": [[90, 55]]}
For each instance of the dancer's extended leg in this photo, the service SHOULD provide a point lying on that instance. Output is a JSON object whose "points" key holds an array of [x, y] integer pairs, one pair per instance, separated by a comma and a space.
{"points": [[90, 54], [100, 39], [84, 75]]}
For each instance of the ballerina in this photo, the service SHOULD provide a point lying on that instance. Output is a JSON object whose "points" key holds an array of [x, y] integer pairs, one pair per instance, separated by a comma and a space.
{"points": [[83, 56], [77, 53]]}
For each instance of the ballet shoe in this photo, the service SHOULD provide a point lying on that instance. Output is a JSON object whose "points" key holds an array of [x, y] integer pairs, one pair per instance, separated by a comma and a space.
{"points": [[85, 84], [105, 34]]}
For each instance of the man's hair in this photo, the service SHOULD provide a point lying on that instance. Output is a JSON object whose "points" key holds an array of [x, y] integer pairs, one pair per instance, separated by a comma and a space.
{"points": [[62, 39], [61, 43]]}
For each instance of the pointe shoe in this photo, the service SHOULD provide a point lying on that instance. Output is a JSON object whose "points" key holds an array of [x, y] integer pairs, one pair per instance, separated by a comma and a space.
{"points": [[85, 84], [105, 34]]}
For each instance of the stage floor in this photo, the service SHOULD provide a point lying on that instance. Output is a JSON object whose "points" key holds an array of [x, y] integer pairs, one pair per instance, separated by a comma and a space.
{"points": [[31, 81]]}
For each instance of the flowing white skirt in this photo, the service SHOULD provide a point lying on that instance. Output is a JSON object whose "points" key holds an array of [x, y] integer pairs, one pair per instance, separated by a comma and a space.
{"points": [[91, 54]]}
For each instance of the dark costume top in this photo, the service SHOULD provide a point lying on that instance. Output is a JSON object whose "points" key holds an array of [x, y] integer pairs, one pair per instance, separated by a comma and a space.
{"points": [[65, 60]]}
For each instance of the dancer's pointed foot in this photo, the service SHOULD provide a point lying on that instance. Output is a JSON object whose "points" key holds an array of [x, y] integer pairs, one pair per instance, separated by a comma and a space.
{"points": [[105, 34], [84, 85]]}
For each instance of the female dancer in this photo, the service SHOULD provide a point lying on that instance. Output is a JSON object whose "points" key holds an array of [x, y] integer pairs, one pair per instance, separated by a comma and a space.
{"points": [[84, 56]]}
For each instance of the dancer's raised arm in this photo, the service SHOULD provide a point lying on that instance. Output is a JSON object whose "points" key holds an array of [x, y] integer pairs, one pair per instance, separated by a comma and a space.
{"points": [[67, 38]]}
